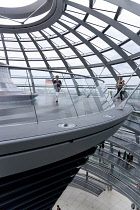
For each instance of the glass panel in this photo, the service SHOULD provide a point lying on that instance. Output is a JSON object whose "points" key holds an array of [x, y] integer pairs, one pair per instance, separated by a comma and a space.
{"points": [[97, 23], [100, 4], [123, 68], [106, 72], [74, 11], [111, 84], [72, 38], [131, 47], [18, 73], [39, 92], [58, 41], [9, 36], [108, 13], [18, 63], [100, 43], [83, 49], [37, 63], [48, 32], [15, 54], [111, 55], [116, 34], [81, 71], [1, 45], [4, 60], [131, 27], [36, 34], [57, 63], [92, 59], [129, 17], [68, 21], [59, 28], [65, 107], [16, 101], [12, 45], [97, 70], [135, 96], [51, 54], [23, 36], [85, 32], [84, 3], [67, 52], [74, 62], [44, 44], [2, 54], [28, 45], [33, 55]]}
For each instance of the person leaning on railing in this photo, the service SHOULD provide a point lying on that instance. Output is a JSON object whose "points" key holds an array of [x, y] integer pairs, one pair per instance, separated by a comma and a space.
{"points": [[119, 87], [123, 88]]}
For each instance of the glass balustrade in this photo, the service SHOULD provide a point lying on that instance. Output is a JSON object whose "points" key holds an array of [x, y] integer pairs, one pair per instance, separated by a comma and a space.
{"points": [[134, 118], [118, 183], [136, 94], [133, 100], [16, 105], [125, 136], [116, 172], [34, 100]]}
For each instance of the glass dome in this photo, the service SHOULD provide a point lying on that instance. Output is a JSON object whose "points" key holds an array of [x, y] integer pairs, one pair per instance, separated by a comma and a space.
{"points": [[15, 3], [88, 44], [97, 38]]}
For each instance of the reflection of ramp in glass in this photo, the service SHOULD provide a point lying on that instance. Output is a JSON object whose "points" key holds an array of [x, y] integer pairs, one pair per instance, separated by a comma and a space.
{"points": [[8, 90], [87, 184], [132, 125]]}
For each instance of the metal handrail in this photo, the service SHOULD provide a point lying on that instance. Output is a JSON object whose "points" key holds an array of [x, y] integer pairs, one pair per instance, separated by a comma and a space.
{"points": [[114, 170], [115, 155], [122, 105], [36, 113], [48, 70]]}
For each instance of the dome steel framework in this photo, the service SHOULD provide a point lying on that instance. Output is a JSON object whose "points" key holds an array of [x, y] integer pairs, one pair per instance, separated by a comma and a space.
{"points": [[93, 38]]}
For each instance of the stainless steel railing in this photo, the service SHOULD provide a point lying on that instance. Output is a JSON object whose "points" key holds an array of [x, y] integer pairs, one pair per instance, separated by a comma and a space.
{"points": [[44, 108]]}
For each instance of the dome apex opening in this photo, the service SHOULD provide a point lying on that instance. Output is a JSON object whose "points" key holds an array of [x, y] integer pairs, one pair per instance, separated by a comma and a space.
{"points": [[16, 3]]}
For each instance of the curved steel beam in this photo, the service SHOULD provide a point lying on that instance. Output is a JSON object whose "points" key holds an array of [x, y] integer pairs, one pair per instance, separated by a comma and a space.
{"points": [[75, 51], [48, 70], [53, 15], [63, 60], [84, 63], [82, 60], [4, 47], [39, 50], [23, 12], [107, 40], [130, 34], [86, 15], [115, 18], [92, 48], [27, 62], [41, 53]]}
